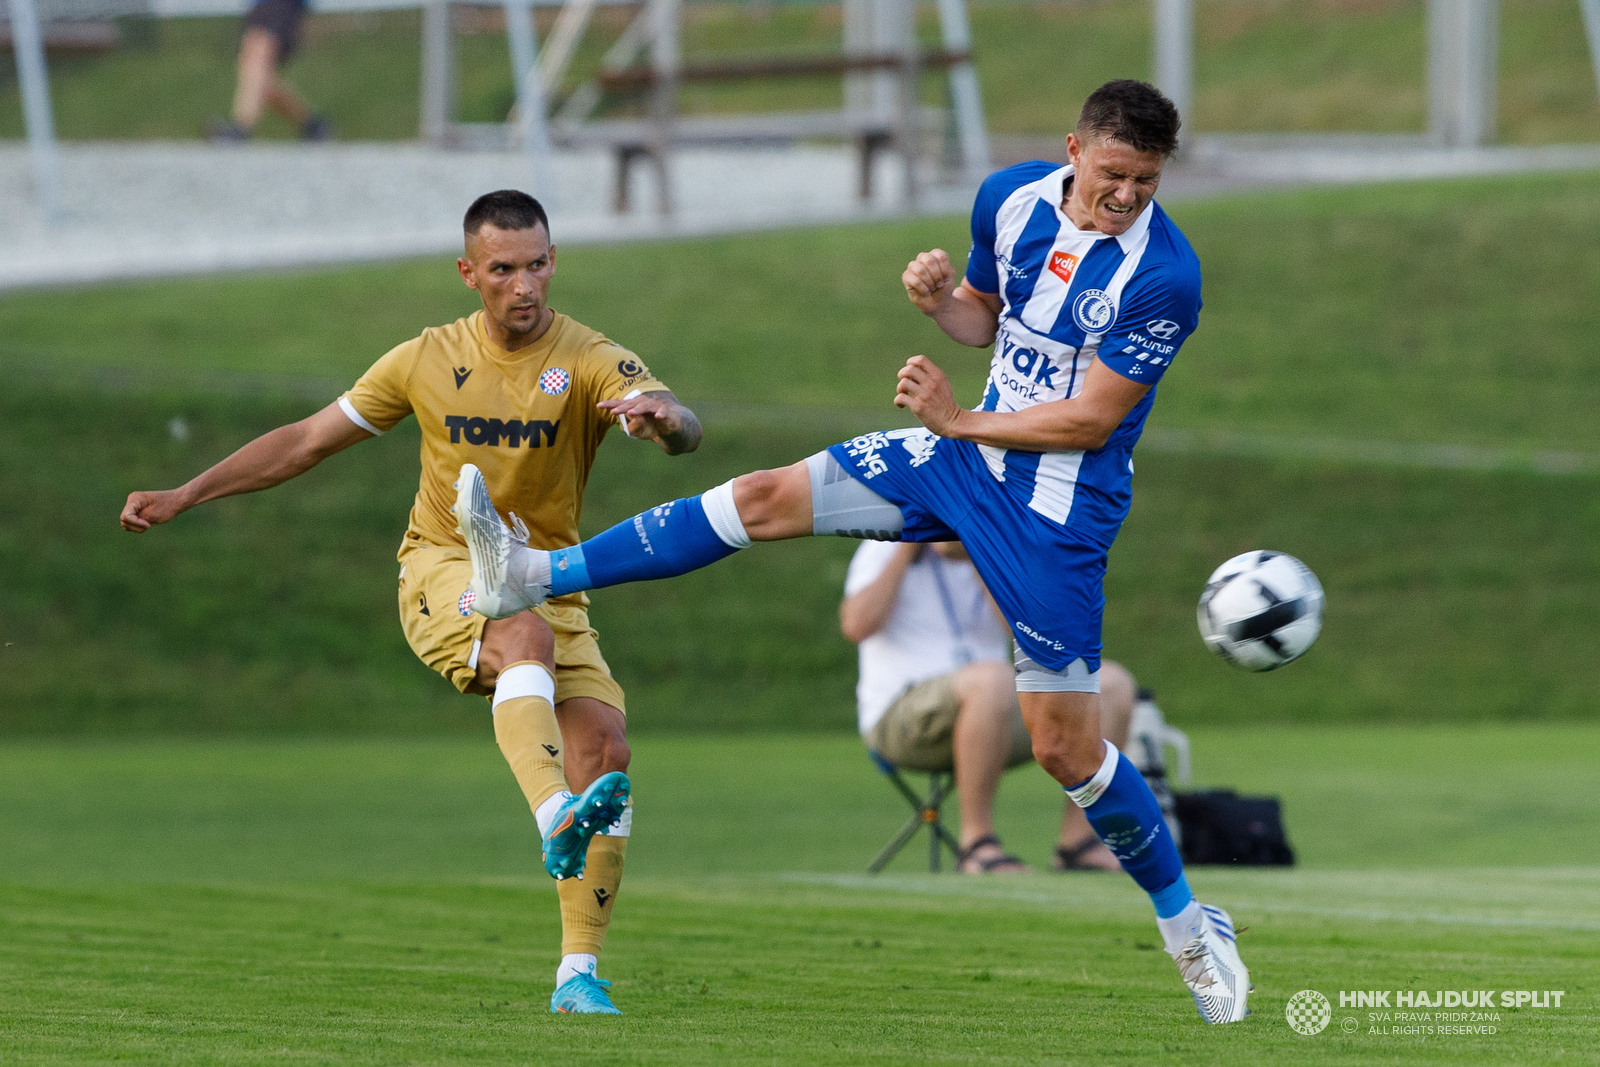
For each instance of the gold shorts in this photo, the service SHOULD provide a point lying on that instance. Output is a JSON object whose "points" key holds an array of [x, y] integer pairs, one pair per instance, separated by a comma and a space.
{"points": [[917, 732], [432, 579]]}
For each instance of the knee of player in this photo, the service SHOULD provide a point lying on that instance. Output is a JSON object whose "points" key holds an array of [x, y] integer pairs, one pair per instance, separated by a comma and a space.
{"points": [[615, 753], [763, 497], [1052, 754], [521, 638]]}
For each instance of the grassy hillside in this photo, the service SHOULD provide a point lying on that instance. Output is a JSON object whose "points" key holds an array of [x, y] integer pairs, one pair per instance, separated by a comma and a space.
{"points": [[1369, 314], [1278, 65]]}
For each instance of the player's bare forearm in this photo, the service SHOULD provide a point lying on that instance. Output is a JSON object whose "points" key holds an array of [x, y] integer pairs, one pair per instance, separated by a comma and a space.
{"points": [[1084, 422], [658, 416], [969, 317], [1059, 426], [269, 460]]}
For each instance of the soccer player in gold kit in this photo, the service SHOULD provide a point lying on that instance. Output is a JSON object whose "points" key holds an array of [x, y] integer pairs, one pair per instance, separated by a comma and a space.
{"points": [[525, 394]]}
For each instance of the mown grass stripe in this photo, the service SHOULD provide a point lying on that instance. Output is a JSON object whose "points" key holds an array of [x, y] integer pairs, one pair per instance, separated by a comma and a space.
{"points": [[847, 421]]}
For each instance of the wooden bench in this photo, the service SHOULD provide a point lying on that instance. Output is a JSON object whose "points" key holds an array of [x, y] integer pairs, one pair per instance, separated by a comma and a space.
{"points": [[635, 140]]}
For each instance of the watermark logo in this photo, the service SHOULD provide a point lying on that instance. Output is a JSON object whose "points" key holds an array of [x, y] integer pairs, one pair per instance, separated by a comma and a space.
{"points": [[1308, 1012]]}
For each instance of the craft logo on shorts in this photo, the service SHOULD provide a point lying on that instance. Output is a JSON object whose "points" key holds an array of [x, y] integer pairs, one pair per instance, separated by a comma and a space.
{"points": [[1062, 264], [1308, 1012], [1093, 310], [554, 381], [464, 605]]}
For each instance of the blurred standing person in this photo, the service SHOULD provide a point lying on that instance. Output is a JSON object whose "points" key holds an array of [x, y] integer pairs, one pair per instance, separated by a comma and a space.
{"points": [[271, 37]]}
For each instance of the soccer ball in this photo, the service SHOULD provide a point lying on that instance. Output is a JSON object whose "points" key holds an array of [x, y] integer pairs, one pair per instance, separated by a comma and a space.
{"points": [[1261, 610]]}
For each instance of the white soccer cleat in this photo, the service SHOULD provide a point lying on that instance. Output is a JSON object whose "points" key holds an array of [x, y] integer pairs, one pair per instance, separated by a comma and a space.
{"points": [[1211, 968], [496, 589]]}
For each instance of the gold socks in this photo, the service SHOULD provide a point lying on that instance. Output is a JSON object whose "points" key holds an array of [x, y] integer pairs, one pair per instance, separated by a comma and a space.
{"points": [[525, 728], [586, 903]]}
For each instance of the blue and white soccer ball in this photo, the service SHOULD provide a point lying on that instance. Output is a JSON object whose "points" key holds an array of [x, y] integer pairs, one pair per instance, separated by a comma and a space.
{"points": [[1261, 610]]}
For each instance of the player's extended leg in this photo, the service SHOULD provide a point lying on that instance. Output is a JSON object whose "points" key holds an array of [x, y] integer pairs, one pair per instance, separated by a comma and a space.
{"points": [[671, 539], [1067, 742], [596, 745]]}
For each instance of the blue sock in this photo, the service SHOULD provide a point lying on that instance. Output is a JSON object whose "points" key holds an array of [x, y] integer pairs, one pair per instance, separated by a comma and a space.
{"points": [[1127, 817], [663, 542]]}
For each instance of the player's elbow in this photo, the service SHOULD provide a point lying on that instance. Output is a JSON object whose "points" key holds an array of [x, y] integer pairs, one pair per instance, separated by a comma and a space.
{"points": [[1096, 435], [1081, 435]]}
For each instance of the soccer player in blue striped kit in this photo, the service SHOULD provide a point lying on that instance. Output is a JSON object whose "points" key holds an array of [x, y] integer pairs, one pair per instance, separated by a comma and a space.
{"points": [[1086, 290]]}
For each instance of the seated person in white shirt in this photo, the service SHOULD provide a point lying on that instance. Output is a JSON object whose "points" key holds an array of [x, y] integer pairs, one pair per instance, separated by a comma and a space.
{"points": [[937, 686]]}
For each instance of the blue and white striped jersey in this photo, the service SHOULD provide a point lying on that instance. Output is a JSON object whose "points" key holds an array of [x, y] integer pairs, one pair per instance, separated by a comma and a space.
{"points": [[1069, 296]]}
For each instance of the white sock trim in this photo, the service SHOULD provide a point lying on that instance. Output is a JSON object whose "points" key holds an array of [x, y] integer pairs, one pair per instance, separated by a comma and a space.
{"points": [[1090, 791], [1180, 929], [525, 680], [723, 516], [545, 813], [623, 827], [573, 964]]}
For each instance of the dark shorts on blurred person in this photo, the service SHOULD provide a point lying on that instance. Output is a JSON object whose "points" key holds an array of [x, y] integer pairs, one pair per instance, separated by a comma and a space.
{"points": [[282, 19]]}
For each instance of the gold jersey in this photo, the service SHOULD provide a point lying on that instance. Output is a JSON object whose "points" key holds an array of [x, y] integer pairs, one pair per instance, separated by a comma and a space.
{"points": [[527, 419]]}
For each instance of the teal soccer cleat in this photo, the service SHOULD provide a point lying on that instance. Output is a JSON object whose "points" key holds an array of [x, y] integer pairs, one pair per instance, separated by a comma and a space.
{"points": [[567, 844], [582, 994]]}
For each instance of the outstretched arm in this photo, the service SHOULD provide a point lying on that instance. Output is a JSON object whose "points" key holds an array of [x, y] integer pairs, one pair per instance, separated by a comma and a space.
{"points": [[864, 612], [1084, 422], [269, 460], [657, 416], [965, 314]]}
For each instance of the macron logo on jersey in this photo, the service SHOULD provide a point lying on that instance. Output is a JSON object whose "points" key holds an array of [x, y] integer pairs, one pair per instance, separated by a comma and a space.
{"points": [[480, 431]]}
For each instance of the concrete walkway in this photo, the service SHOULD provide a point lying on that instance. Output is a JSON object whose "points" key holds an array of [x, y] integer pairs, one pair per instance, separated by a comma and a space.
{"points": [[142, 209], [146, 210]]}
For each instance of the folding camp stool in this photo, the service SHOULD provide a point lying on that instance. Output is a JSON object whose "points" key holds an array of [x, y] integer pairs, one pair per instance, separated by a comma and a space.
{"points": [[926, 812]]}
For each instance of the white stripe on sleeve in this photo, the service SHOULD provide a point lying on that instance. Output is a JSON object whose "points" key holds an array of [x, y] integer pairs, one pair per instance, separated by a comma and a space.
{"points": [[355, 416]]}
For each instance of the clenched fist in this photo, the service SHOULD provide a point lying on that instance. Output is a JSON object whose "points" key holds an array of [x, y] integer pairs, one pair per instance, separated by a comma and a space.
{"points": [[146, 509], [924, 391], [929, 280]]}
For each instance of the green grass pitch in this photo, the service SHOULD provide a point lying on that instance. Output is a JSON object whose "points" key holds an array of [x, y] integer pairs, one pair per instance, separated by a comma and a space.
{"points": [[380, 902]]}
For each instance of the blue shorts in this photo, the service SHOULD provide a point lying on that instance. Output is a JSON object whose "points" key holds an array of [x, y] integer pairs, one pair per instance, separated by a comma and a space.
{"points": [[1047, 580]]}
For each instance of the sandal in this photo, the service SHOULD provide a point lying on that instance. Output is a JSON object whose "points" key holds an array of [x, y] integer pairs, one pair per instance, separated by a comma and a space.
{"points": [[1071, 858], [1005, 863]]}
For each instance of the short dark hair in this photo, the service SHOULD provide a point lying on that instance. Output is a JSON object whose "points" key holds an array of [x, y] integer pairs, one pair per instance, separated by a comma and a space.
{"points": [[1133, 112], [505, 209]]}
